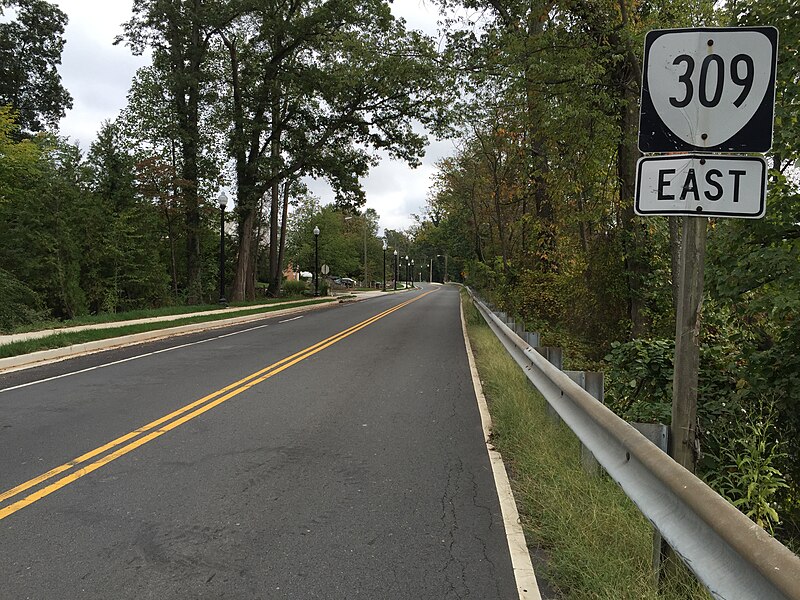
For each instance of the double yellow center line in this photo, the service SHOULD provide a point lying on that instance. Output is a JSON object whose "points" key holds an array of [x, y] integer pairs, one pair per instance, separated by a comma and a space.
{"points": [[147, 433]]}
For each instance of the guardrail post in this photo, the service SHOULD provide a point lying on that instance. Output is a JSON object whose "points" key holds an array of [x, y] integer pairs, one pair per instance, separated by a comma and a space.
{"points": [[555, 357], [533, 338], [592, 382], [658, 433]]}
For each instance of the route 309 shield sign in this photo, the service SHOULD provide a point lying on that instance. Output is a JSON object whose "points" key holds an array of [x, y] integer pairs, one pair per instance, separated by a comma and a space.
{"points": [[708, 89]]}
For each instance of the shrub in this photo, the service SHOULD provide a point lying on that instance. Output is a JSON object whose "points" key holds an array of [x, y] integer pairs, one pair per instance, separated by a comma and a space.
{"points": [[639, 380], [639, 384], [746, 471], [294, 288], [19, 304]]}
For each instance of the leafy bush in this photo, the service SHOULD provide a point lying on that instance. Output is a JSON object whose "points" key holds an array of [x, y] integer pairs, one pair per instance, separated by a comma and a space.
{"points": [[639, 380], [294, 288], [639, 385], [19, 304], [745, 471], [541, 295], [480, 275]]}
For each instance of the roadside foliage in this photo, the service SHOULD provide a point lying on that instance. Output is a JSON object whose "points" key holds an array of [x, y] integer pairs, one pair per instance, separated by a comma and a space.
{"points": [[534, 208], [537, 206]]}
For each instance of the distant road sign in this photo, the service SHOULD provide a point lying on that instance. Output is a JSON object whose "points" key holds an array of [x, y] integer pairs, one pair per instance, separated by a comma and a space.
{"points": [[325, 269], [708, 89], [698, 185]]}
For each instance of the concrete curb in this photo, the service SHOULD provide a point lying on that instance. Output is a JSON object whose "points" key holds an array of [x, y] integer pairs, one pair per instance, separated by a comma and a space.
{"points": [[35, 359]]}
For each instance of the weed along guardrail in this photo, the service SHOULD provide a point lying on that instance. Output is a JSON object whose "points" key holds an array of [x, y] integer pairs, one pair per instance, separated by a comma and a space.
{"points": [[732, 556]]}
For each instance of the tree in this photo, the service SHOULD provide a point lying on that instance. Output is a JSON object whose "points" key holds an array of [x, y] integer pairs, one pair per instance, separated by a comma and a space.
{"points": [[39, 245], [314, 87], [30, 52], [753, 274], [121, 265], [337, 249], [19, 171], [179, 32]]}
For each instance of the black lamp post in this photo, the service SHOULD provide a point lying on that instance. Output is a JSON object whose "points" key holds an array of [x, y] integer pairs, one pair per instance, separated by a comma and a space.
{"points": [[316, 261], [395, 269], [406, 277], [411, 273], [384, 265], [223, 202]]}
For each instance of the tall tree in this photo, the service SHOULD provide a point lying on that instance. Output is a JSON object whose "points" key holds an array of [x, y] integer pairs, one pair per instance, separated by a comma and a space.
{"points": [[121, 264], [314, 86], [179, 32], [30, 52]]}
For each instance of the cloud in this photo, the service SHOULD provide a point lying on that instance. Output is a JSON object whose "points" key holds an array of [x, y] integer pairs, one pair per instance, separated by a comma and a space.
{"points": [[95, 72], [98, 75]]}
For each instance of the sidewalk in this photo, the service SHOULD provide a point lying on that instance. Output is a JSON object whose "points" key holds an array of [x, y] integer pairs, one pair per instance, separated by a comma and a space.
{"points": [[23, 361], [33, 335]]}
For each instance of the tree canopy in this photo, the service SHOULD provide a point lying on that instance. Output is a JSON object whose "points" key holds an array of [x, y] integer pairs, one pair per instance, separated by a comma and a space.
{"points": [[31, 42]]}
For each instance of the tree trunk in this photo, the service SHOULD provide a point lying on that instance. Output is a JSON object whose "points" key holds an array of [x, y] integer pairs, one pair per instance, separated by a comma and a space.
{"points": [[275, 150], [634, 233], [536, 164], [187, 56], [246, 179], [252, 265], [284, 221], [246, 226], [274, 268]]}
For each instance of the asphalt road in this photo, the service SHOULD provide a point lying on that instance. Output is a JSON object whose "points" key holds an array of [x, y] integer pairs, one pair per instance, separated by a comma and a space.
{"points": [[256, 462]]}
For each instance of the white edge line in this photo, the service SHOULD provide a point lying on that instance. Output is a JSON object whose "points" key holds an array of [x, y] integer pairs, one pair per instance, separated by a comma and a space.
{"points": [[292, 319], [46, 357], [130, 358], [527, 587]]}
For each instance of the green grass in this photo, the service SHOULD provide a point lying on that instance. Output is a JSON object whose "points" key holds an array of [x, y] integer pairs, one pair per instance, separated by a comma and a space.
{"points": [[61, 340], [142, 314], [597, 542]]}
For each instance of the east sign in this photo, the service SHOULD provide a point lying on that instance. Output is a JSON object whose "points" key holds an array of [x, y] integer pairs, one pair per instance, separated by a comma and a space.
{"points": [[701, 185], [708, 89]]}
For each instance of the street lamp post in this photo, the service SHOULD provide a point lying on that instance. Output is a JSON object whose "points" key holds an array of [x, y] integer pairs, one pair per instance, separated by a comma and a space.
{"points": [[316, 261], [384, 265], [222, 199], [406, 277], [395, 270], [411, 272]]}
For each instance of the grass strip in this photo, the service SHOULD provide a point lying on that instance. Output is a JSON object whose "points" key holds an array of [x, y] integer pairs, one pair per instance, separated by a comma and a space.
{"points": [[61, 340], [131, 315], [598, 545]]}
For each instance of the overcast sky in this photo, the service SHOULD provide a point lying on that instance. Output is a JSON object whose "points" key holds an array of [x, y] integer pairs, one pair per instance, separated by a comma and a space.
{"points": [[98, 75]]}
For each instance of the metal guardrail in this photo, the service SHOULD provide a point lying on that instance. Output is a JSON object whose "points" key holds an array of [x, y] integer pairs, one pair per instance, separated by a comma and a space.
{"points": [[732, 556]]}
